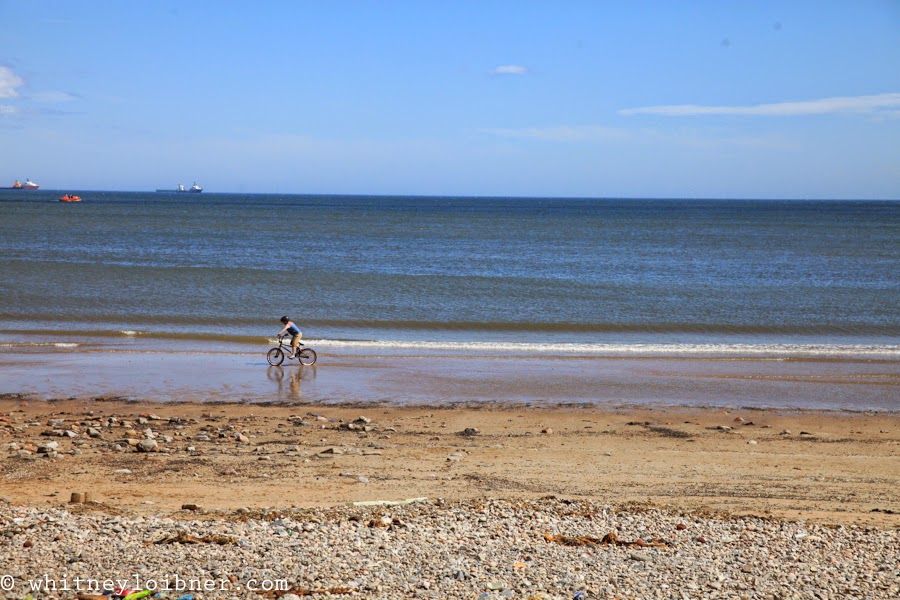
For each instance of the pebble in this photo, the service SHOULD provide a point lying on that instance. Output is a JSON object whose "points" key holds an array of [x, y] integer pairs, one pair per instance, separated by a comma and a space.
{"points": [[148, 445], [488, 548]]}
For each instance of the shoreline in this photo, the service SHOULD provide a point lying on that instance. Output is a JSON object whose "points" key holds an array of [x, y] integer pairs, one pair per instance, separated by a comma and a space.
{"points": [[475, 406], [339, 379]]}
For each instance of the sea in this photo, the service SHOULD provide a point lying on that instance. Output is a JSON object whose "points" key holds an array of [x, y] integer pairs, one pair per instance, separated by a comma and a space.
{"points": [[485, 275]]}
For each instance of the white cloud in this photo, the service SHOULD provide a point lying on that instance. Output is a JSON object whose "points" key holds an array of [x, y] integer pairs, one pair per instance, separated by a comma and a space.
{"points": [[6, 110], [510, 70], [879, 104], [9, 81]]}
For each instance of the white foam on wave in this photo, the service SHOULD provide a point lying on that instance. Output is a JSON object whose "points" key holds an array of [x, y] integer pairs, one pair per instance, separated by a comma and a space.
{"points": [[129, 332], [786, 350], [40, 345]]}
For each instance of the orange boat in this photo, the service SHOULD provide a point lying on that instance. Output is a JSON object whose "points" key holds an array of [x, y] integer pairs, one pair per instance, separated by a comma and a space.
{"points": [[68, 198]]}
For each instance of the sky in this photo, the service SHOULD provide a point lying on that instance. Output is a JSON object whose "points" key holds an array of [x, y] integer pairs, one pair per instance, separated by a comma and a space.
{"points": [[687, 99]]}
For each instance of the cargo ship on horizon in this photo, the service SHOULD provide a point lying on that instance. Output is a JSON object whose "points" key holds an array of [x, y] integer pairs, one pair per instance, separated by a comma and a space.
{"points": [[28, 185], [196, 189]]}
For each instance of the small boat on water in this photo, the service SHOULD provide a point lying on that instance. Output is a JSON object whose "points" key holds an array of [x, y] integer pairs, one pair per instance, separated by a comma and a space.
{"points": [[28, 185], [70, 198], [196, 189]]}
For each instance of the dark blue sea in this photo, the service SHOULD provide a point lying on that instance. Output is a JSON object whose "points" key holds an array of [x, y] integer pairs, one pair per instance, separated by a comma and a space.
{"points": [[425, 274]]}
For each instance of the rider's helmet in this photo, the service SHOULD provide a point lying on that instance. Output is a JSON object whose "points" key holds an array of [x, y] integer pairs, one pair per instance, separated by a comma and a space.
{"points": [[284, 319]]}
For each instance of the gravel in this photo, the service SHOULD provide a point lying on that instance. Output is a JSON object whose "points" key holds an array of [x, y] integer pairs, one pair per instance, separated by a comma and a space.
{"points": [[548, 548]]}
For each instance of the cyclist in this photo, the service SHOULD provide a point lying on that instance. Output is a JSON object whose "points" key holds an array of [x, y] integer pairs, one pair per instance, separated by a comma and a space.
{"points": [[292, 329]]}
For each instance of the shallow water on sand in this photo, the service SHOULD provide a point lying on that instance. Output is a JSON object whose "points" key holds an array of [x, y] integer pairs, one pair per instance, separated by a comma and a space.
{"points": [[448, 379]]}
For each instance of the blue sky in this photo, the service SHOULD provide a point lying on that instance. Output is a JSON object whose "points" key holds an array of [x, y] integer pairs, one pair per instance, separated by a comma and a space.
{"points": [[717, 99]]}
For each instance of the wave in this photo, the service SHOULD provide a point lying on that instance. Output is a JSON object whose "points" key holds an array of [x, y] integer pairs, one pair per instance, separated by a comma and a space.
{"points": [[540, 350], [133, 333], [656, 327], [180, 341], [811, 350], [650, 328], [40, 345]]}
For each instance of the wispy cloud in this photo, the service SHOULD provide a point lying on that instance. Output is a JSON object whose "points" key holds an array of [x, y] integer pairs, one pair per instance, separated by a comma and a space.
{"points": [[510, 70], [53, 97], [596, 134], [9, 81], [29, 103], [881, 104]]}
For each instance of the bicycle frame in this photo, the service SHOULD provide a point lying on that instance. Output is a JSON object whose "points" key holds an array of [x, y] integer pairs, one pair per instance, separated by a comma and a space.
{"points": [[284, 342]]}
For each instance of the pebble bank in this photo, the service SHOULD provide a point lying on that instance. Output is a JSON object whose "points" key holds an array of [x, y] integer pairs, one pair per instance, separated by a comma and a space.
{"points": [[550, 548]]}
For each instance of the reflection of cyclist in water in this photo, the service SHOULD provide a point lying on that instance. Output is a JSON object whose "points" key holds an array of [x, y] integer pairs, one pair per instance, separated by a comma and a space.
{"points": [[276, 374], [292, 329]]}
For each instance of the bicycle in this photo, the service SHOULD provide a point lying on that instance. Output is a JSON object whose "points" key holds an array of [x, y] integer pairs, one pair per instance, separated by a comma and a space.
{"points": [[275, 356]]}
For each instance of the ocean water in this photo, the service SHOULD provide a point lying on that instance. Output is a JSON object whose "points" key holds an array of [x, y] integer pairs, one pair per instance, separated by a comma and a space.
{"points": [[411, 275]]}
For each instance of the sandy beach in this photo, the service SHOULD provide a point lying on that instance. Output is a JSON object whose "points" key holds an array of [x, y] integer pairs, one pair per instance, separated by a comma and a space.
{"points": [[837, 468], [238, 500]]}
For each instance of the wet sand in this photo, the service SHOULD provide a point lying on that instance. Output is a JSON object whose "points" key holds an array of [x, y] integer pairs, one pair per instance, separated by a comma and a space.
{"points": [[755, 382]]}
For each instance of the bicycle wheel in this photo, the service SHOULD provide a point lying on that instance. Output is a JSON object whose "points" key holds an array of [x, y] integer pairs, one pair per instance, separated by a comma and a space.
{"points": [[307, 356], [275, 357]]}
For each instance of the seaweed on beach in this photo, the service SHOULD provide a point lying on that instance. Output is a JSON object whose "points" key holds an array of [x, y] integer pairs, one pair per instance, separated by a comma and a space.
{"points": [[669, 432], [334, 591], [610, 539], [660, 429], [185, 538]]}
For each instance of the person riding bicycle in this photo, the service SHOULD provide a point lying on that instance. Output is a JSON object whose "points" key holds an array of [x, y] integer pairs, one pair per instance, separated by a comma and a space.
{"points": [[292, 329]]}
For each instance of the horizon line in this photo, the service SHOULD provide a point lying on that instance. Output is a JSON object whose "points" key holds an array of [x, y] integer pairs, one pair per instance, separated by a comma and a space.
{"points": [[456, 196]]}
